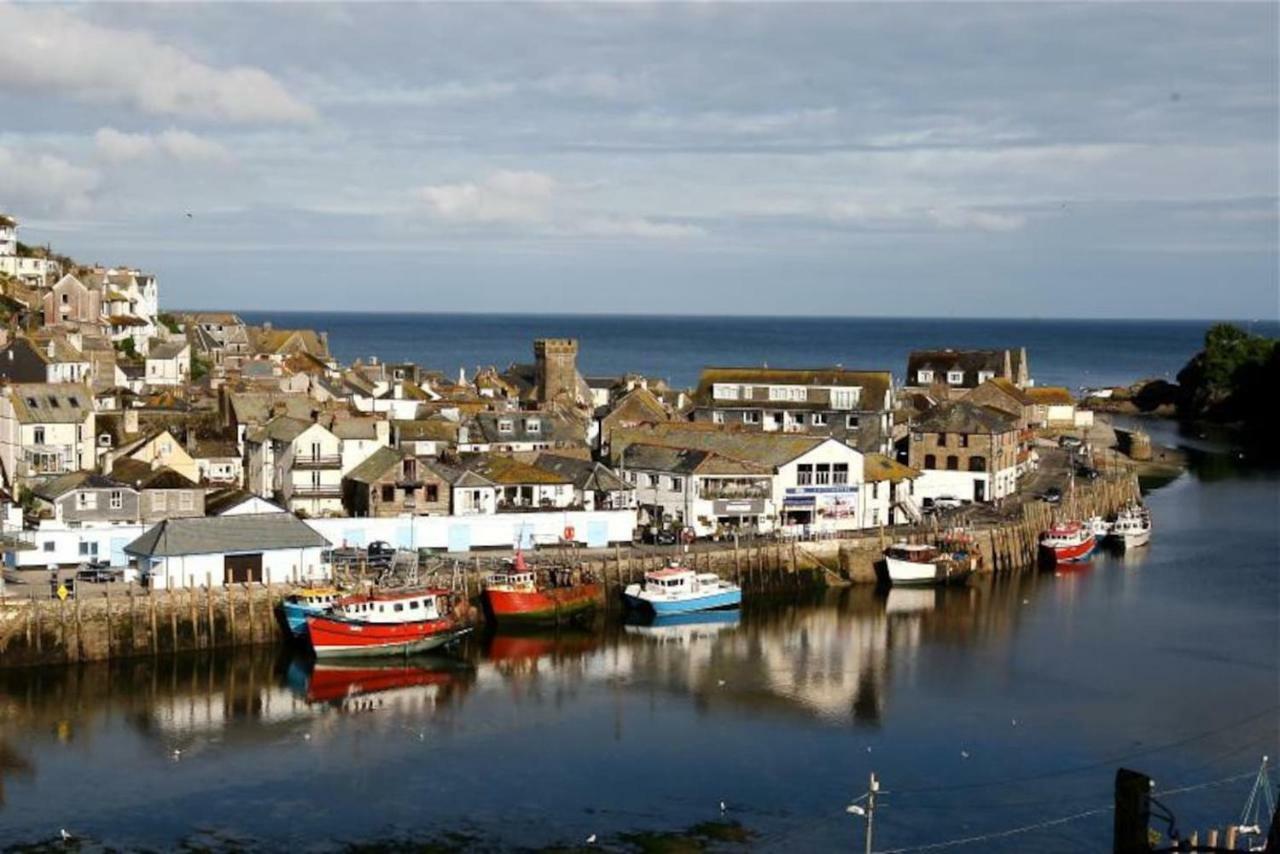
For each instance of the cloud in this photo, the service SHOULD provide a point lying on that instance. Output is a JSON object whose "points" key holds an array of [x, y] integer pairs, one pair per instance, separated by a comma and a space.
{"points": [[53, 50], [44, 184], [186, 147], [637, 227], [959, 218], [505, 196], [970, 219]]}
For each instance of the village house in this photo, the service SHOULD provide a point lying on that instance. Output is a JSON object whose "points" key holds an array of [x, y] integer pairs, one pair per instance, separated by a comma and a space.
{"points": [[163, 492], [270, 548], [50, 358], [520, 487], [1054, 407], [232, 501], [1017, 403], [360, 437], [85, 497], [595, 485], [154, 449], [637, 406], [277, 344], [470, 494], [168, 362], [298, 462], [519, 432], [949, 373], [392, 482], [855, 407], [888, 497], [29, 268], [70, 302], [221, 338], [45, 429], [218, 462], [965, 451], [682, 488], [427, 437]]}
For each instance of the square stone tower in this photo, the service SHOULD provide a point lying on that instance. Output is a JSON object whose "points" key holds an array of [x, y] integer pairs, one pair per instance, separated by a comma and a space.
{"points": [[556, 365]]}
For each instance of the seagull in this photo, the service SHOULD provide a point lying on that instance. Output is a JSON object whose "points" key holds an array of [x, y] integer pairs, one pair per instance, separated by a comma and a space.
{"points": [[591, 840], [964, 754], [722, 807], [1014, 721], [66, 837], [720, 682], [190, 215], [868, 748], [177, 754], [306, 736]]}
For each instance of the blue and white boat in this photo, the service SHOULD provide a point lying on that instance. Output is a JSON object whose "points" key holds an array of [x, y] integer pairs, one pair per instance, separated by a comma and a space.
{"points": [[303, 603], [676, 590]]}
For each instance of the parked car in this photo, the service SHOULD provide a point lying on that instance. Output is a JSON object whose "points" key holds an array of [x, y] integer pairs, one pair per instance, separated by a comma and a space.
{"points": [[1070, 442], [1052, 495], [1087, 472], [380, 552], [661, 536], [947, 502], [96, 574]]}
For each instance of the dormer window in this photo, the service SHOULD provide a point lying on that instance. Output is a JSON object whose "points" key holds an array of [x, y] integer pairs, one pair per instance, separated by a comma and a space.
{"points": [[955, 377], [924, 377], [983, 376], [533, 425], [505, 425]]}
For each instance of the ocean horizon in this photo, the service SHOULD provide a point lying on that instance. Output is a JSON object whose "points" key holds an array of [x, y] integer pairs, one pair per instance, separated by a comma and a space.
{"points": [[1077, 352]]}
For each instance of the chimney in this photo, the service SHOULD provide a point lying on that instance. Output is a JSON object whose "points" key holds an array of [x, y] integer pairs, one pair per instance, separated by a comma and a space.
{"points": [[130, 421], [108, 461], [50, 349]]}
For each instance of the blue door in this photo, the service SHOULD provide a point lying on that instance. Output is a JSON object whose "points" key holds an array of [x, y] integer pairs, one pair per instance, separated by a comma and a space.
{"points": [[597, 534], [459, 538], [118, 557]]}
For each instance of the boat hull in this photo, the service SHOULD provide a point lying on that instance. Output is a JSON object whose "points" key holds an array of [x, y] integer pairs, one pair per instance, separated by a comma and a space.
{"points": [[1134, 539], [906, 573], [332, 637], [666, 607], [548, 605], [295, 616], [1073, 553]]}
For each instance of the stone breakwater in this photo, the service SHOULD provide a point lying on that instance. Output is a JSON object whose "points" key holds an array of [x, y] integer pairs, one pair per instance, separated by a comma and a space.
{"points": [[148, 622]]}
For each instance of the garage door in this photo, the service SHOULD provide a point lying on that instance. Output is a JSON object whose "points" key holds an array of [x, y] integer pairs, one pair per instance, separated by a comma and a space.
{"points": [[241, 568]]}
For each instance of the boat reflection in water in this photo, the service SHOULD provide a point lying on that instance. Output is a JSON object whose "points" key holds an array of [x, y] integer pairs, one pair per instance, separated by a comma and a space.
{"points": [[413, 684]]}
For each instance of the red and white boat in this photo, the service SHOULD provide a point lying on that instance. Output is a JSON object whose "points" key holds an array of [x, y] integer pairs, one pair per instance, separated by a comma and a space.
{"points": [[1068, 542], [397, 622]]}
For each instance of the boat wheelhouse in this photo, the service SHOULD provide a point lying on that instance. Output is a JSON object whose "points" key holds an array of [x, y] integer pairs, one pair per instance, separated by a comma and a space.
{"points": [[519, 593], [924, 564], [677, 590], [300, 604], [385, 623], [1132, 528]]}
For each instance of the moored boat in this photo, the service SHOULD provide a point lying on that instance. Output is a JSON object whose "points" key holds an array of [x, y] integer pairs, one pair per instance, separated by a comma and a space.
{"points": [[923, 564], [518, 593], [1132, 528], [677, 590], [1068, 542], [300, 604], [385, 623]]}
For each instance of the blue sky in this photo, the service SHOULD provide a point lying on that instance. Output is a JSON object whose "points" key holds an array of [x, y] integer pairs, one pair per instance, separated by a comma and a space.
{"points": [[908, 159]]}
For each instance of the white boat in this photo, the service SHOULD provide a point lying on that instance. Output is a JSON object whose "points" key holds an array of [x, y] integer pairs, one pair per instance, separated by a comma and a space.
{"points": [[1132, 527], [677, 590], [1101, 527], [918, 563]]}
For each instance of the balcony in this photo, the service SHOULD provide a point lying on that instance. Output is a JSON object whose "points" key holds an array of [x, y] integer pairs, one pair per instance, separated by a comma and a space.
{"points": [[733, 489], [322, 491], [318, 461], [545, 506]]}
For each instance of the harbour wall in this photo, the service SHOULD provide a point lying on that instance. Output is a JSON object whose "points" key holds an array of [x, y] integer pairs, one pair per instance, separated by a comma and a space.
{"points": [[35, 631]]}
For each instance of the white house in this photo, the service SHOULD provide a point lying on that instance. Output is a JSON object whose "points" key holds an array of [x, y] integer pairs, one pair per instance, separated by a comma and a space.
{"points": [[822, 487], [272, 548], [297, 461], [168, 362], [699, 489], [46, 429]]}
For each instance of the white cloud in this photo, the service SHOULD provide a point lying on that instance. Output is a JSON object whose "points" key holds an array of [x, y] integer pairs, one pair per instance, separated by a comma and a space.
{"points": [[969, 219], [505, 196], [53, 50], [636, 227], [952, 217], [183, 146], [44, 184]]}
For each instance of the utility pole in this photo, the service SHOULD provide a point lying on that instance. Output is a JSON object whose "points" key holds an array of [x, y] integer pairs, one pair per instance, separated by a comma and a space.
{"points": [[871, 807]]}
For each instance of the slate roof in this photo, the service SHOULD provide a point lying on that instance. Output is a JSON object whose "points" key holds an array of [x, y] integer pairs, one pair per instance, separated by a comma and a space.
{"points": [[427, 429], [219, 534], [257, 406], [765, 449], [874, 384], [1008, 387], [166, 348], [143, 476], [456, 476], [878, 467], [685, 461], [218, 501], [282, 341], [636, 406], [59, 486], [964, 417], [551, 428], [1050, 395], [376, 466], [50, 403], [355, 428], [585, 474]]}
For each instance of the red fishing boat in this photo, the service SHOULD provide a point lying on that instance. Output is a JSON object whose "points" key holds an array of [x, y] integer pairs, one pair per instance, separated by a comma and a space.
{"points": [[517, 593], [1068, 542], [385, 623], [331, 683]]}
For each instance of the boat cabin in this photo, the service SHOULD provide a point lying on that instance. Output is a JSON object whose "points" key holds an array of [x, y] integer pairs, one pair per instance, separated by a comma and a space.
{"points": [[513, 580], [319, 597], [400, 607], [676, 580]]}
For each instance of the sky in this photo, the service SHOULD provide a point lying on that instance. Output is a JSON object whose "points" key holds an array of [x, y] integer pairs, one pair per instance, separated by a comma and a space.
{"points": [[1018, 159]]}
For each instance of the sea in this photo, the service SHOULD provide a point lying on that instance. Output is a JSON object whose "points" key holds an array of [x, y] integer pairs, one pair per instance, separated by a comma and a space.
{"points": [[1072, 353]]}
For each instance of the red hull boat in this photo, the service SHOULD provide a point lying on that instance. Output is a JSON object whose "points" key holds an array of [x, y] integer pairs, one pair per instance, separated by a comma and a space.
{"points": [[396, 623], [1069, 542], [516, 594], [330, 683]]}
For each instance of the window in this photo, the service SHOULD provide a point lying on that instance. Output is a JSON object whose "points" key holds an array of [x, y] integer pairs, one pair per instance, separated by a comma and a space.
{"points": [[924, 377], [186, 501], [48, 545], [88, 549], [955, 377], [983, 376], [797, 394], [717, 417], [720, 391], [977, 464], [778, 392], [86, 500], [942, 440], [851, 422], [38, 435], [930, 461], [804, 474], [677, 484], [399, 606], [505, 425], [953, 463], [433, 492], [117, 499], [751, 417], [840, 473], [964, 440], [798, 418], [819, 419], [388, 492], [822, 474], [845, 398], [157, 500], [533, 425], [415, 605]]}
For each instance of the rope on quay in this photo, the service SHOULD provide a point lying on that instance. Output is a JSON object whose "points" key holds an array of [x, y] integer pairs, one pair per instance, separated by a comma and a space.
{"points": [[1053, 822]]}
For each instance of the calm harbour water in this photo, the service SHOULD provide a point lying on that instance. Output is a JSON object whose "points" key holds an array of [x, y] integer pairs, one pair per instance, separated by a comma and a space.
{"points": [[1002, 705], [1067, 352]]}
